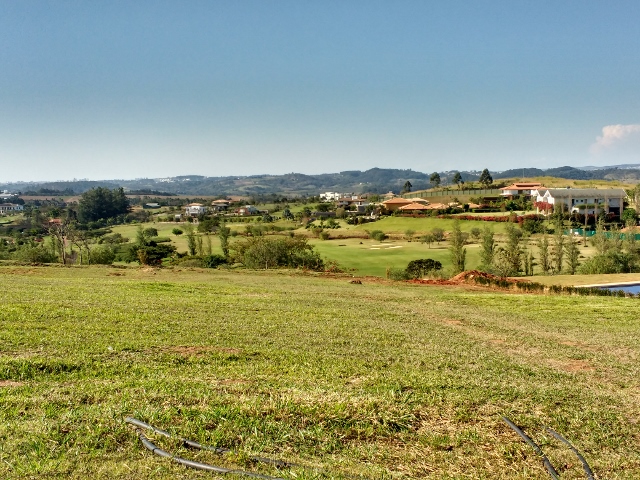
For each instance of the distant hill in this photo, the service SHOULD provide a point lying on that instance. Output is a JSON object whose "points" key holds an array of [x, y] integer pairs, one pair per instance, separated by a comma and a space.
{"points": [[374, 180]]}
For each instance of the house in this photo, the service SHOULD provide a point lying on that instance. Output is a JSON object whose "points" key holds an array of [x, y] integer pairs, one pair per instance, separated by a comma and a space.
{"points": [[581, 200], [516, 189], [247, 210], [195, 209], [331, 196], [220, 205], [395, 203], [352, 200], [10, 208], [413, 207]]}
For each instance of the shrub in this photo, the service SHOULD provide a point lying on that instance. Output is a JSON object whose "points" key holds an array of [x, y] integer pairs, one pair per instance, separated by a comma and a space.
{"points": [[269, 252], [397, 274], [324, 235], [378, 235], [419, 268], [213, 261], [35, 254], [102, 255]]}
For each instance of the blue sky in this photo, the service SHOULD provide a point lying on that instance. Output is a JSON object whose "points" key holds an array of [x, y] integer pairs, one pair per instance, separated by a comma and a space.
{"points": [[110, 89]]}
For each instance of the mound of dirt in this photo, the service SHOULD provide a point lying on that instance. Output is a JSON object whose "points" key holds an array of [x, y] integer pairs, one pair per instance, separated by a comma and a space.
{"points": [[470, 275]]}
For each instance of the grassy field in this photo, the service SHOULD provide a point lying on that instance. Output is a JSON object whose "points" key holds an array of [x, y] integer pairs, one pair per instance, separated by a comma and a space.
{"points": [[376, 380], [370, 257], [423, 225]]}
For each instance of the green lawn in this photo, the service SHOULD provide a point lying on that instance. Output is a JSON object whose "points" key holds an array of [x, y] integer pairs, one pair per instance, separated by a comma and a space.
{"points": [[371, 257], [380, 380], [423, 225]]}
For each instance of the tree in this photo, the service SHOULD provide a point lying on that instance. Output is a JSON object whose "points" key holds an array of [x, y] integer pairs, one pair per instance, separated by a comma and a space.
{"points": [[223, 234], [511, 254], [191, 239], [438, 234], [457, 179], [573, 254], [557, 251], [543, 251], [434, 179], [101, 203], [419, 268], [487, 248], [407, 187], [428, 239], [485, 178], [457, 250], [177, 231]]}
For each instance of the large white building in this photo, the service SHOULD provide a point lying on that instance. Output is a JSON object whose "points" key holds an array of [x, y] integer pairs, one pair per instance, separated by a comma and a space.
{"points": [[579, 200]]}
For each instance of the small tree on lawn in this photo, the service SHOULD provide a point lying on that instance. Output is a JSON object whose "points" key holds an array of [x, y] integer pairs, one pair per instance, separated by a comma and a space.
{"points": [[457, 250], [543, 252], [428, 238], [573, 254], [487, 248]]}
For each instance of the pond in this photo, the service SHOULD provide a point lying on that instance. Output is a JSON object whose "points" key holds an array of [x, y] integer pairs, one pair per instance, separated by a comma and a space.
{"points": [[635, 288]]}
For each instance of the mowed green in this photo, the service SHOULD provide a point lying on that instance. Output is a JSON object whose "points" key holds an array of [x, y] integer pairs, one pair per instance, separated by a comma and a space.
{"points": [[371, 257], [379, 380]]}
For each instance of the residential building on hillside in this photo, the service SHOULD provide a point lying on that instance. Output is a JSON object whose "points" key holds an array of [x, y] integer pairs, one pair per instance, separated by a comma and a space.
{"points": [[581, 200], [520, 189], [10, 208], [195, 209]]}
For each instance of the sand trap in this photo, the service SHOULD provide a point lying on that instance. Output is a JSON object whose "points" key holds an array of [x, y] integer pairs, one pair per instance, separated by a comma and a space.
{"points": [[397, 246], [379, 245], [374, 248]]}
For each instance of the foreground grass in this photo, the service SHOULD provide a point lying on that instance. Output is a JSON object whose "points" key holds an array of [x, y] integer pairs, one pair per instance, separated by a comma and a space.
{"points": [[380, 380]]}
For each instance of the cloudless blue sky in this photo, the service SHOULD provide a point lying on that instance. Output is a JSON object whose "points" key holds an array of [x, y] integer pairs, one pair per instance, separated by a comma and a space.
{"points": [[122, 89]]}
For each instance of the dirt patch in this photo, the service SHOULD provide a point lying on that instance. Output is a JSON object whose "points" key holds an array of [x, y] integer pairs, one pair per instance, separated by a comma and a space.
{"points": [[198, 351], [115, 274], [453, 322], [233, 381], [10, 383], [573, 365]]}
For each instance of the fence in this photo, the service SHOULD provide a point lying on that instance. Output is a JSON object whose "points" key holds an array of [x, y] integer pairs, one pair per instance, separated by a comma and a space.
{"points": [[485, 192]]}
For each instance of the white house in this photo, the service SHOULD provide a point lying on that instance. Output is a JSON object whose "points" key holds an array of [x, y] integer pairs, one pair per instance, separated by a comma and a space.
{"points": [[520, 189], [331, 196], [581, 200], [10, 208], [195, 209]]}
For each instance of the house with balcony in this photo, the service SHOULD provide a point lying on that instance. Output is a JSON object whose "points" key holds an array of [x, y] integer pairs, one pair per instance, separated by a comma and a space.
{"points": [[591, 201]]}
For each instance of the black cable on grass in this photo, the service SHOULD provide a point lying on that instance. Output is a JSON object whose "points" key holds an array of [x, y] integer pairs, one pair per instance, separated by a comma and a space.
{"points": [[203, 466], [198, 465], [198, 446], [545, 461], [585, 465]]}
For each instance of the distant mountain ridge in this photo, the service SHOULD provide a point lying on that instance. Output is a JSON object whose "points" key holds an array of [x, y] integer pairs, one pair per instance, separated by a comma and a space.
{"points": [[374, 180]]}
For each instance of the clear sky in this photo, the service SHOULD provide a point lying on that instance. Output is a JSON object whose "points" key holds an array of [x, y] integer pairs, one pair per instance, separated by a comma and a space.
{"points": [[127, 89]]}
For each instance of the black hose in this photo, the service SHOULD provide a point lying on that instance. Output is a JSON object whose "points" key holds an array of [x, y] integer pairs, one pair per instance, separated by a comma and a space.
{"points": [[198, 446], [545, 461], [585, 465], [198, 465]]}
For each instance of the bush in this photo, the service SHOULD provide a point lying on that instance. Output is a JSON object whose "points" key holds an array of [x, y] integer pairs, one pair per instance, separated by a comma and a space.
{"points": [[324, 235], [213, 261], [102, 255], [378, 235], [420, 268], [397, 274], [35, 254], [270, 252], [177, 231]]}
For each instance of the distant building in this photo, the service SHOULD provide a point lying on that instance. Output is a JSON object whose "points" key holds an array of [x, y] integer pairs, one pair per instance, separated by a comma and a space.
{"points": [[332, 196], [581, 200], [220, 205], [522, 188], [247, 210], [10, 208], [195, 209]]}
